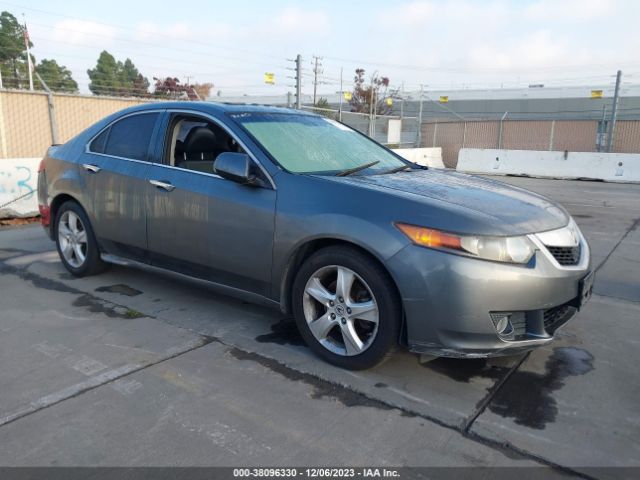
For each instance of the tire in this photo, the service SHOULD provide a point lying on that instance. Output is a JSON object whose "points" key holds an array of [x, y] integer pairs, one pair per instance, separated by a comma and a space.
{"points": [[76, 242], [353, 327]]}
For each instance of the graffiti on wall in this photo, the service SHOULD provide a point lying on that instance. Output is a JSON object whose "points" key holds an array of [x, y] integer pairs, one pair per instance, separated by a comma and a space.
{"points": [[19, 178]]}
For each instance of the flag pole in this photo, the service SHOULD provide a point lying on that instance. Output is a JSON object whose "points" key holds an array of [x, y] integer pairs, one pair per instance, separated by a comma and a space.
{"points": [[26, 44]]}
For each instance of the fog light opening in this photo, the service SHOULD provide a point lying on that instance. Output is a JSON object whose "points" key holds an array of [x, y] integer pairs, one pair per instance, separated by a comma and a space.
{"points": [[502, 323]]}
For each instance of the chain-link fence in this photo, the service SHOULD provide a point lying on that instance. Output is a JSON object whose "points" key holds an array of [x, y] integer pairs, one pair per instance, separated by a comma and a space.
{"points": [[391, 130], [31, 121], [559, 135]]}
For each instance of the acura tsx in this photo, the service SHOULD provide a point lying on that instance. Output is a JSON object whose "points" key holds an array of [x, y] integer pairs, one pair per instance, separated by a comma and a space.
{"points": [[365, 249]]}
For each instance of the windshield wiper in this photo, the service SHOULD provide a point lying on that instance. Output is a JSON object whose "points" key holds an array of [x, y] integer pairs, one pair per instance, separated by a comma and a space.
{"points": [[396, 170], [349, 171], [404, 167]]}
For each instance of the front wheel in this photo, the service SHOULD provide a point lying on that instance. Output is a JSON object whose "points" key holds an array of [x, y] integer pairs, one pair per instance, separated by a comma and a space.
{"points": [[346, 308], [76, 242]]}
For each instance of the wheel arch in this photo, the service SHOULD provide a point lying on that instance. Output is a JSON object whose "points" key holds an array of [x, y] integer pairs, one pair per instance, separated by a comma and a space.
{"points": [[56, 203], [305, 250]]}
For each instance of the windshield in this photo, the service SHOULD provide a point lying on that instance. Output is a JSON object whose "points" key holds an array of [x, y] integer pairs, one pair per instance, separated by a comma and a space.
{"points": [[310, 144]]}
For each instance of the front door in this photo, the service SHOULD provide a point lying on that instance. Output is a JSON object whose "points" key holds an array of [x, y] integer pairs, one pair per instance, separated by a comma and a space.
{"points": [[201, 224]]}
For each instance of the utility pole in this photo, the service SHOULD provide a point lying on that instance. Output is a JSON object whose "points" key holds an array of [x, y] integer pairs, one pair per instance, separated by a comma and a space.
{"points": [[614, 110], [298, 81], [371, 100], [339, 104], [419, 132], [317, 70], [297, 78], [25, 33]]}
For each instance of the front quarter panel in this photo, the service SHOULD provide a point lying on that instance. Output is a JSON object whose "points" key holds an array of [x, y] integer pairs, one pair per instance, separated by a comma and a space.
{"points": [[310, 208]]}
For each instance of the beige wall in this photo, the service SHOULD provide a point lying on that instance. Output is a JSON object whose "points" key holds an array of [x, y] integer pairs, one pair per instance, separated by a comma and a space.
{"points": [[25, 129]]}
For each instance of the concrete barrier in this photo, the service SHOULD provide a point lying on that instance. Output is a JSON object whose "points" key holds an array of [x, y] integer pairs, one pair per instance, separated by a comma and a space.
{"points": [[430, 157], [19, 178], [610, 167]]}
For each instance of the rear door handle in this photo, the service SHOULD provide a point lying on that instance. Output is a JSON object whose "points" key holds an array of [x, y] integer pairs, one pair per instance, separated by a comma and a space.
{"points": [[91, 168], [164, 185]]}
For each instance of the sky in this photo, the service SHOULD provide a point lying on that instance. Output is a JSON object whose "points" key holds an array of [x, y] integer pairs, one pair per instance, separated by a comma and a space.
{"points": [[438, 44]]}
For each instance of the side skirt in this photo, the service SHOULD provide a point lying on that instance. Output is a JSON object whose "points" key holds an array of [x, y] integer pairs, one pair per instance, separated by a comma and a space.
{"points": [[216, 287]]}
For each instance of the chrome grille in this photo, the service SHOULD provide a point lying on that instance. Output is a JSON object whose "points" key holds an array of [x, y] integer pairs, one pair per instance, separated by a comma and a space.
{"points": [[566, 256]]}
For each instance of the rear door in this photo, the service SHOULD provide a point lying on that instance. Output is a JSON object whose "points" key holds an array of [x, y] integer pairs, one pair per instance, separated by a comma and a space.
{"points": [[201, 224], [115, 168]]}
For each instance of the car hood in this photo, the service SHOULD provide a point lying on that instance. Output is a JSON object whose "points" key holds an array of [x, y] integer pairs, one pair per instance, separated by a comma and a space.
{"points": [[514, 210]]}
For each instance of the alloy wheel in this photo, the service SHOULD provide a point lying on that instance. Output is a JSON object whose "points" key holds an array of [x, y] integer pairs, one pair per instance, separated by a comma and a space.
{"points": [[340, 310], [72, 237]]}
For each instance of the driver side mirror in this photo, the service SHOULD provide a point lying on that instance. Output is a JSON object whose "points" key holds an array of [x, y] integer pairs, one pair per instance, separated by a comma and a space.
{"points": [[235, 167]]}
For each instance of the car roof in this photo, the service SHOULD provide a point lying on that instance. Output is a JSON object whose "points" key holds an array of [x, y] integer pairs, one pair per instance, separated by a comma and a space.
{"points": [[216, 107]]}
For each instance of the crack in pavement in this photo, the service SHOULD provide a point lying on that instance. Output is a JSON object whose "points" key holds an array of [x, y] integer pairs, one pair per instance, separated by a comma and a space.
{"points": [[99, 380], [633, 226], [482, 405]]}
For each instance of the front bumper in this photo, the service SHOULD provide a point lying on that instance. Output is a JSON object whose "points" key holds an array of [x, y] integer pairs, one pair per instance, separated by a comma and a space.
{"points": [[449, 301]]}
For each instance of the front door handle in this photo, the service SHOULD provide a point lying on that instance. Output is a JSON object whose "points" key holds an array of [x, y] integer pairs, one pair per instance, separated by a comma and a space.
{"points": [[164, 185], [91, 168]]}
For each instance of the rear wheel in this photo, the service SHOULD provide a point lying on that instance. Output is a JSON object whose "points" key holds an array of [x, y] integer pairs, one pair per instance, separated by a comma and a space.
{"points": [[346, 308], [76, 242]]}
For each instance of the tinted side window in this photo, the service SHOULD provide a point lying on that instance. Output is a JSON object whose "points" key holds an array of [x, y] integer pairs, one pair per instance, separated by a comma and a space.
{"points": [[130, 137], [97, 146]]}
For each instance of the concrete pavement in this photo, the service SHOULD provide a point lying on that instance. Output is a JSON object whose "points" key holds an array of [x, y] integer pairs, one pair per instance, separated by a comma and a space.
{"points": [[131, 368]]}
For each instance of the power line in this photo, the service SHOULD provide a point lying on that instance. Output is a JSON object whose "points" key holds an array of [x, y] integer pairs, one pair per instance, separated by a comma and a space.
{"points": [[159, 34]]}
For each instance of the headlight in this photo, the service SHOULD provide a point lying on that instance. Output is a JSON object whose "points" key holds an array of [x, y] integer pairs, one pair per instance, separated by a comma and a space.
{"points": [[500, 249]]}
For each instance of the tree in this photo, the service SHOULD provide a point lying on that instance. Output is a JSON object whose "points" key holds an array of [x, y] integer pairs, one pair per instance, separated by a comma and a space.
{"points": [[13, 53], [110, 77], [203, 90], [322, 107], [322, 103], [170, 87], [132, 81], [57, 77], [364, 94], [104, 77]]}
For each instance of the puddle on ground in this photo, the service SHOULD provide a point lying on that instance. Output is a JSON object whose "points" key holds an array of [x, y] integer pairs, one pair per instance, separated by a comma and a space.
{"points": [[96, 305], [322, 389], [285, 332], [464, 369], [527, 396], [121, 289]]}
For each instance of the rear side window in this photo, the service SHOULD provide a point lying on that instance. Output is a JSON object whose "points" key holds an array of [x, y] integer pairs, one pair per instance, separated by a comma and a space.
{"points": [[98, 144], [129, 137]]}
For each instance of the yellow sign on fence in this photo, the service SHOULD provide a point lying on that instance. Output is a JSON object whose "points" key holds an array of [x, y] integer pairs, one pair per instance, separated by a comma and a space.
{"points": [[444, 99], [389, 101], [270, 78], [596, 93], [347, 96]]}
